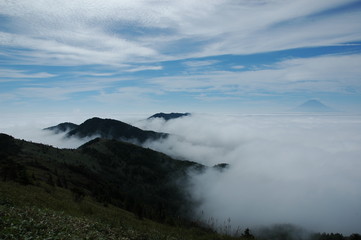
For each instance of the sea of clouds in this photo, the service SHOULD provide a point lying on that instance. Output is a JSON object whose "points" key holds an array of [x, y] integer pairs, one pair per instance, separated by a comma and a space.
{"points": [[284, 169], [35, 133], [295, 169]]}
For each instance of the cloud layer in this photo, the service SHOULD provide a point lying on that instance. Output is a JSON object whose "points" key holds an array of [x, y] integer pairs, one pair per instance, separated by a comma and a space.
{"points": [[116, 32], [301, 170], [68, 53]]}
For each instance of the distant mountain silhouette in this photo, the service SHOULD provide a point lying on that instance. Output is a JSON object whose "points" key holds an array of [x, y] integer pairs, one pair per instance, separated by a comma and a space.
{"points": [[169, 116], [62, 127], [108, 129], [312, 106]]}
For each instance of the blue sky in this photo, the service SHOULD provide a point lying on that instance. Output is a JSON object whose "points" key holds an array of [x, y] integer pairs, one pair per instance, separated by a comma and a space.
{"points": [[99, 57]]}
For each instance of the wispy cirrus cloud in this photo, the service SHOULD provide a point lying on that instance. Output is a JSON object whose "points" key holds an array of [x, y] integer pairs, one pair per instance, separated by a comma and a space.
{"points": [[9, 74], [332, 73], [337, 74], [186, 47], [115, 32], [144, 68], [238, 67], [200, 63], [129, 97]]}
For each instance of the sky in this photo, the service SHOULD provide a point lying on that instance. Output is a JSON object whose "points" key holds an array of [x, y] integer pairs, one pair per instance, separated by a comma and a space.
{"points": [[76, 57]]}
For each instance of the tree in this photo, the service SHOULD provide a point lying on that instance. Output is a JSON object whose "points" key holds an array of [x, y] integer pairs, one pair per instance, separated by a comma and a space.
{"points": [[247, 234], [355, 236]]}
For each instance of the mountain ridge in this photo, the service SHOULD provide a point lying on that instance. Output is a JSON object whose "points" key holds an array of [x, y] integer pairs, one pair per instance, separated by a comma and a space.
{"points": [[62, 127], [169, 116], [106, 128]]}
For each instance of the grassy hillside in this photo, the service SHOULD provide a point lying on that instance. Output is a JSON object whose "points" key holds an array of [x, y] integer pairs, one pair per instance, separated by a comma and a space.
{"points": [[37, 212]]}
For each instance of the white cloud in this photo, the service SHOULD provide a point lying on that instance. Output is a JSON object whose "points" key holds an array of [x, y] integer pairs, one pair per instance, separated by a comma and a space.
{"points": [[116, 32], [92, 47], [302, 170], [61, 90], [131, 95], [200, 63], [238, 67], [4, 97], [13, 73], [326, 74], [31, 130], [332, 73], [53, 93], [144, 68]]}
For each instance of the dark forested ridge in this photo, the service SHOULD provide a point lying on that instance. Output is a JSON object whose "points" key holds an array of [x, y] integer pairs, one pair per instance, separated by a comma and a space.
{"points": [[113, 172], [107, 128]]}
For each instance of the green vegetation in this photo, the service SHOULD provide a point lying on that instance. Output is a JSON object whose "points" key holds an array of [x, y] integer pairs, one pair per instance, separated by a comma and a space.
{"points": [[34, 212]]}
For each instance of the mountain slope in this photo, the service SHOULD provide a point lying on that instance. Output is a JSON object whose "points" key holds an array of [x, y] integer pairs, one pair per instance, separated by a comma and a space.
{"points": [[109, 129]]}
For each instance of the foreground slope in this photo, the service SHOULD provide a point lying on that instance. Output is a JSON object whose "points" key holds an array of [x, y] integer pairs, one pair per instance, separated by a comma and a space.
{"points": [[42, 211]]}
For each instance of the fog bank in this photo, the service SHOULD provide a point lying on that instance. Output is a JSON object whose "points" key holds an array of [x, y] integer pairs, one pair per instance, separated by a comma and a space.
{"points": [[296, 169], [34, 132]]}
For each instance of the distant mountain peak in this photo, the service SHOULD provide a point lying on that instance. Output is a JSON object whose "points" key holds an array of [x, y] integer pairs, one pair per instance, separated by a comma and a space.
{"points": [[62, 127], [106, 128], [169, 116], [312, 105]]}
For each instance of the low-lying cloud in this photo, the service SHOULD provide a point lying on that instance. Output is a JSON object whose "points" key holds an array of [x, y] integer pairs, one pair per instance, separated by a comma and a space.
{"points": [[34, 132], [285, 169]]}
